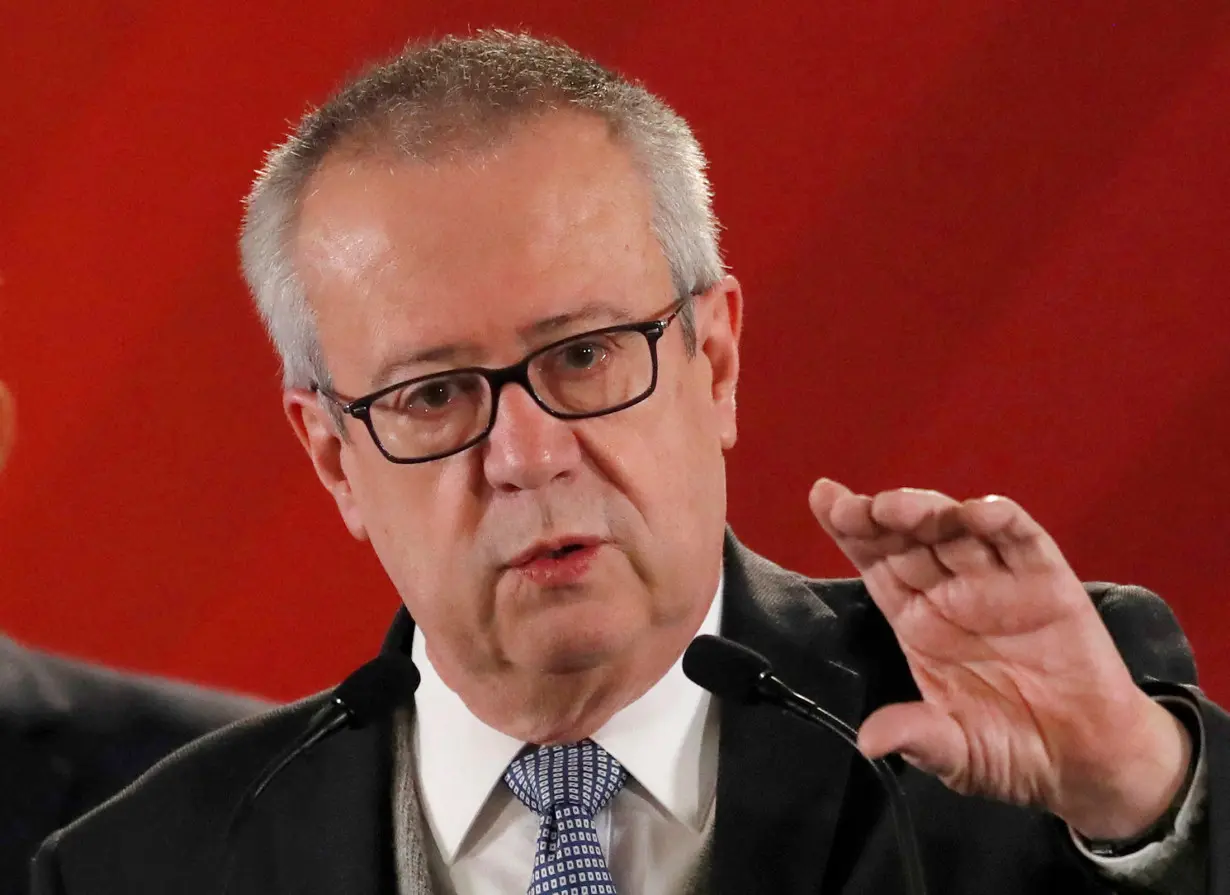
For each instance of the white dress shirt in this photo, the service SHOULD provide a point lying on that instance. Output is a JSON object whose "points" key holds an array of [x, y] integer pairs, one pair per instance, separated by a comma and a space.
{"points": [[653, 831]]}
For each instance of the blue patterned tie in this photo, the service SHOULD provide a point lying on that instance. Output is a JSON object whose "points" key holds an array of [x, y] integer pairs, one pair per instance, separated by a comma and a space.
{"points": [[567, 786]]}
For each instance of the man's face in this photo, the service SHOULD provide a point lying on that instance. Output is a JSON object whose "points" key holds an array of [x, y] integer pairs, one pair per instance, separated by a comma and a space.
{"points": [[477, 261]]}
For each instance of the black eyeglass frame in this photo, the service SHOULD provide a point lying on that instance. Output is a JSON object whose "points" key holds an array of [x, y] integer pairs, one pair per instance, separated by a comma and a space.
{"points": [[497, 378]]}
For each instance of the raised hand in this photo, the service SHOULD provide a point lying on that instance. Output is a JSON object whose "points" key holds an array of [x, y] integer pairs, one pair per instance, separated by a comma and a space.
{"points": [[1024, 695]]}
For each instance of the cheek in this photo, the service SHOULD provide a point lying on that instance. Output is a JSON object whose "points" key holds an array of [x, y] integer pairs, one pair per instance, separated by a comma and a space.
{"points": [[420, 521], [666, 460]]}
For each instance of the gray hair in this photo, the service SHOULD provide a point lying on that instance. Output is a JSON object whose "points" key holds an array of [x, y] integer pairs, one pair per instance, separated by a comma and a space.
{"points": [[454, 95]]}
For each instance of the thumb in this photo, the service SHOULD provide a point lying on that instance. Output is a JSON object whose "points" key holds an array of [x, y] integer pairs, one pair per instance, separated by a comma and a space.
{"points": [[925, 736]]}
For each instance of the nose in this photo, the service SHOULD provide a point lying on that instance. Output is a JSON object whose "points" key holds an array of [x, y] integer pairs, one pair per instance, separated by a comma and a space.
{"points": [[527, 448]]}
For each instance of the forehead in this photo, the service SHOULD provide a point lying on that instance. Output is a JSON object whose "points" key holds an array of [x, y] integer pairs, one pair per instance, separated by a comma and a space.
{"points": [[555, 216]]}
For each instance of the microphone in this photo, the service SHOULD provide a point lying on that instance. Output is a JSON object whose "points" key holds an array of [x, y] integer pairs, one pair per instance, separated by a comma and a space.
{"points": [[731, 671], [368, 694]]}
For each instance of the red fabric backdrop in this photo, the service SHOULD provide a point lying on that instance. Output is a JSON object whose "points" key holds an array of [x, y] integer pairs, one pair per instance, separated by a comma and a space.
{"points": [[983, 243]]}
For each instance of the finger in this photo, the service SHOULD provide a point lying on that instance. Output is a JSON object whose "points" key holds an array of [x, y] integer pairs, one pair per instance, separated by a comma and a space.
{"points": [[1021, 543], [925, 736], [846, 518], [927, 516], [968, 555], [918, 568], [890, 594], [841, 512], [824, 493]]}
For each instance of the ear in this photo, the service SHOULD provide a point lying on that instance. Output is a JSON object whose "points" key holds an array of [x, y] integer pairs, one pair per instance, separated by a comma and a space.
{"points": [[8, 422], [719, 324], [324, 444]]}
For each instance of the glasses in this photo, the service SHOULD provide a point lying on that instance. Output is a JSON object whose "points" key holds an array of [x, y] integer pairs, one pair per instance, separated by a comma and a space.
{"points": [[584, 376]]}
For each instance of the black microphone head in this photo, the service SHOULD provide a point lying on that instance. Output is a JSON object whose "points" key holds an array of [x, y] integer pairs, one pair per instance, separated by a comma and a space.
{"points": [[374, 689], [725, 668]]}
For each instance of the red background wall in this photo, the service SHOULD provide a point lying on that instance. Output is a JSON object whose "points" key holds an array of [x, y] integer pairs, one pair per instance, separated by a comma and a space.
{"points": [[984, 245]]}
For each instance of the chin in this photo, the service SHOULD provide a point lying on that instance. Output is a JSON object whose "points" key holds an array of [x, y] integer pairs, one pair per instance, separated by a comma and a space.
{"points": [[578, 639]]}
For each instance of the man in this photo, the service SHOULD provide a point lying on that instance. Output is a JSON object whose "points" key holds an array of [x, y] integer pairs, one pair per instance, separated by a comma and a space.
{"points": [[72, 735], [510, 351]]}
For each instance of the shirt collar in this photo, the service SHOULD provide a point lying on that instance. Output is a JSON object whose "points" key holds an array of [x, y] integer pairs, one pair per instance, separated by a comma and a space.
{"points": [[658, 739]]}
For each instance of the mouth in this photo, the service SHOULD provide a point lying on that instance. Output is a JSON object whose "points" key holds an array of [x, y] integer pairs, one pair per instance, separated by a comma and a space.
{"points": [[553, 550]]}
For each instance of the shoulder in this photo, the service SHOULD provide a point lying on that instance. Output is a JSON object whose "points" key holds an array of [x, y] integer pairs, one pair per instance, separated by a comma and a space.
{"points": [[44, 684], [99, 728], [1146, 632], [92, 710], [169, 824]]}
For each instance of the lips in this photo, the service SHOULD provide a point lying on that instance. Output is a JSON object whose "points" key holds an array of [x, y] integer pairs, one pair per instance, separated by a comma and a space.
{"points": [[559, 548]]}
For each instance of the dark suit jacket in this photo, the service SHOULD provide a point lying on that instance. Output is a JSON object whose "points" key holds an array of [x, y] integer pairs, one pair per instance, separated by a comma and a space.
{"points": [[72, 735], [796, 813]]}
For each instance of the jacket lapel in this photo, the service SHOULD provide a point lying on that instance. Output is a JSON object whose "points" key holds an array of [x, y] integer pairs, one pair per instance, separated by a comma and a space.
{"points": [[781, 781]]}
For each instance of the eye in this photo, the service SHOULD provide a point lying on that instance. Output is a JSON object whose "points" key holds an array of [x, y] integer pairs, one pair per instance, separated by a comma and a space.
{"points": [[583, 355], [433, 396]]}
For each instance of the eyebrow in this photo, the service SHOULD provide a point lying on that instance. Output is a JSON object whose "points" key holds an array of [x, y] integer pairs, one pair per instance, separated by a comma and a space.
{"points": [[595, 314]]}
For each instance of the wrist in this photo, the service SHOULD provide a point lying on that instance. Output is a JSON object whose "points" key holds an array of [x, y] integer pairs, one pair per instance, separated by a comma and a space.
{"points": [[1134, 800]]}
